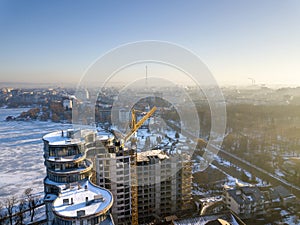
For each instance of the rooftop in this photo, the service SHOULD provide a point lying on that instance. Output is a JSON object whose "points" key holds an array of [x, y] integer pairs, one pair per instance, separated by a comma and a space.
{"points": [[61, 138], [103, 134], [246, 194], [66, 137], [145, 156], [84, 199], [64, 158], [208, 219]]}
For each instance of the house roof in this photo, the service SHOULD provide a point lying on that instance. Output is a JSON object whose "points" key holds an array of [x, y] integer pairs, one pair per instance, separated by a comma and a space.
{"points": [[245, 195], [282, 192]]}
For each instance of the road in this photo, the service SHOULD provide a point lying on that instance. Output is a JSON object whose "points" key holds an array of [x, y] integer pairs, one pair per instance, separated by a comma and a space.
{"points": [[259, 172]]}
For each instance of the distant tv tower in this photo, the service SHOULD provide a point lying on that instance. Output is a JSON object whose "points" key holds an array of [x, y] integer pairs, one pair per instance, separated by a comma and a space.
{"points": [[146, 76]]}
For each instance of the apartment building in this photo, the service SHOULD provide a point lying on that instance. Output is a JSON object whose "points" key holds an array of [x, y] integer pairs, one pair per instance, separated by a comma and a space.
{"points": [[113, 172], [247, 202], [164, 183], [70, 197]]}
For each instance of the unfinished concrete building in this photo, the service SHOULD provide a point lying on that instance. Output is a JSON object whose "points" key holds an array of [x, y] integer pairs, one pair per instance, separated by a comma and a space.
{"points": [[113, 172], [164, 184]]}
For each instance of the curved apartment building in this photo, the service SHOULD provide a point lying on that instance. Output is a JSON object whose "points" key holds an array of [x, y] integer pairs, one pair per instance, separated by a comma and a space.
{"points": [[70, 197]]}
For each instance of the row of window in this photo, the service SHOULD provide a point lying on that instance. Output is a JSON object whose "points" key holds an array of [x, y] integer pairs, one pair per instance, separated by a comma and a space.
{"points": [[63, 166], [94, 221], [64, 151], [68, 178]]}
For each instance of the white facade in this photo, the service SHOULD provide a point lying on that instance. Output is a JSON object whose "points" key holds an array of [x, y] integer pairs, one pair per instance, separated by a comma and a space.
{"points": [[70, 196], [67, 104]]}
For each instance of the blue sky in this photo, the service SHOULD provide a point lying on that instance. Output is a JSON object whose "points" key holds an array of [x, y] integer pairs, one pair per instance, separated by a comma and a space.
{"points": [[55, 41]]}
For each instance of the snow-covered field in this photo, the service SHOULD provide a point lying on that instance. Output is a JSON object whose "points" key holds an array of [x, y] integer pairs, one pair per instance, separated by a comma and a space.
{"points": [[21, 153]]}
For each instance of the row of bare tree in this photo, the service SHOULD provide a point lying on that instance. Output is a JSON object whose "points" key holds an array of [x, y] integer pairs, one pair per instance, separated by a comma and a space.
{"points": [[12, 210]]}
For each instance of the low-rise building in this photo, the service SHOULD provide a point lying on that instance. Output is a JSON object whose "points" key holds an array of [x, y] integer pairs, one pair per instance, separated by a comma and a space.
{"points": [[247, 202], [214, 219], [285, 196]]}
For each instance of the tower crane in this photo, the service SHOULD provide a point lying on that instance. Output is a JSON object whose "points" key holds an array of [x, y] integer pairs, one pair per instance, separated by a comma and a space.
{"points": [[136, 125], [134, 183]]}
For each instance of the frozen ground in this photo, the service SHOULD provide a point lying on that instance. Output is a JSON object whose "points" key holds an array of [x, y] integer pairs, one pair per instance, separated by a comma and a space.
{"points": [[21, 153]]}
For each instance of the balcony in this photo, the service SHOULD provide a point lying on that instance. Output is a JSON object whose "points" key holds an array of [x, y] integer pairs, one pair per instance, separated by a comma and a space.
{"points": [[85, 167]]}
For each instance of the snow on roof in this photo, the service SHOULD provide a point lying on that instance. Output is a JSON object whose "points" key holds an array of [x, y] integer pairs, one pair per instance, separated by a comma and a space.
{"points": [[144, 156], [88, 200], [60, 138], [50, 197], [64, 158]]}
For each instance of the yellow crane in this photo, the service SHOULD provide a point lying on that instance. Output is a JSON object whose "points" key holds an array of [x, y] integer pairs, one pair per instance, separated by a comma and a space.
{"points": [[134, 183], [136, 125]]}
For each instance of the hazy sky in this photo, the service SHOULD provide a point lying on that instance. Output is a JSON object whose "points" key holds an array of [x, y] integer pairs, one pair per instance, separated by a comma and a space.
{"points": [[55, 41]]}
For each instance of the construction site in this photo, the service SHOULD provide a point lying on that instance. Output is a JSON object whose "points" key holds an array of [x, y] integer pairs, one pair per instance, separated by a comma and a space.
{"points": [[148, 185], [148, 180]]}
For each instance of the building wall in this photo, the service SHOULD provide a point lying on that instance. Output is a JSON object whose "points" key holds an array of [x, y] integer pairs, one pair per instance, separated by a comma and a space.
{"points": [[164, 185], [61, 172], [113, 173]]}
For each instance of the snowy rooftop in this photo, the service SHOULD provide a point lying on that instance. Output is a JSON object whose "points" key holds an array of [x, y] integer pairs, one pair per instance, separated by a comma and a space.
{"points": [[202, 220], [103, 134], [84, 201], [144, 156], [61, 138], [64, 158]]}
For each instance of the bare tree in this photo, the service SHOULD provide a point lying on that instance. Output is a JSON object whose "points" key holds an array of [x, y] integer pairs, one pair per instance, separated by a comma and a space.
{"points": [[28, 196], [9, 204], [21, 208], [32, 202], [1, 210]]}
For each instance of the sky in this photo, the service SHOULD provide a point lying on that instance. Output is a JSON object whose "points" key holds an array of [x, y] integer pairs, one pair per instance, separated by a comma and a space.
{"points": [[56, 41]]}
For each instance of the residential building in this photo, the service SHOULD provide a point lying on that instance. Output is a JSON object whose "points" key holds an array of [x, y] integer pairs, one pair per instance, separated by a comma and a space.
{"points": [[113, 172], [214, 219], [70, 197], [285, 196], [247, 201], [164, 183]]}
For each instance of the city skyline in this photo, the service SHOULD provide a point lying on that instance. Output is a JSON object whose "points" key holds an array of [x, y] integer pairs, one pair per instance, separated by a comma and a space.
{"points": [[55, 42]]}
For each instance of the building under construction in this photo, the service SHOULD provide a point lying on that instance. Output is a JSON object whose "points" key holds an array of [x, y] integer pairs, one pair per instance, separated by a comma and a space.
{"points": [[146, 185], [164, 184]]}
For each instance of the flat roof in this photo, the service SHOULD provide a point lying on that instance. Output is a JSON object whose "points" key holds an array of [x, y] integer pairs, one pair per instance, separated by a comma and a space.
{"points": [[103, 134], [60, 138], [144, 156], [99, 200], [64, 158]]}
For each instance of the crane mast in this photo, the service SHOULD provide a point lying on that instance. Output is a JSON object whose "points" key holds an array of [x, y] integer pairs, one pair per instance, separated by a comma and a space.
{"points": [[134, 182]]}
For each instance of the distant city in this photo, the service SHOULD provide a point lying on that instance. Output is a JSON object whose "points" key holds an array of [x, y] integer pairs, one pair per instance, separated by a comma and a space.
{"points": [[153, 174]]}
